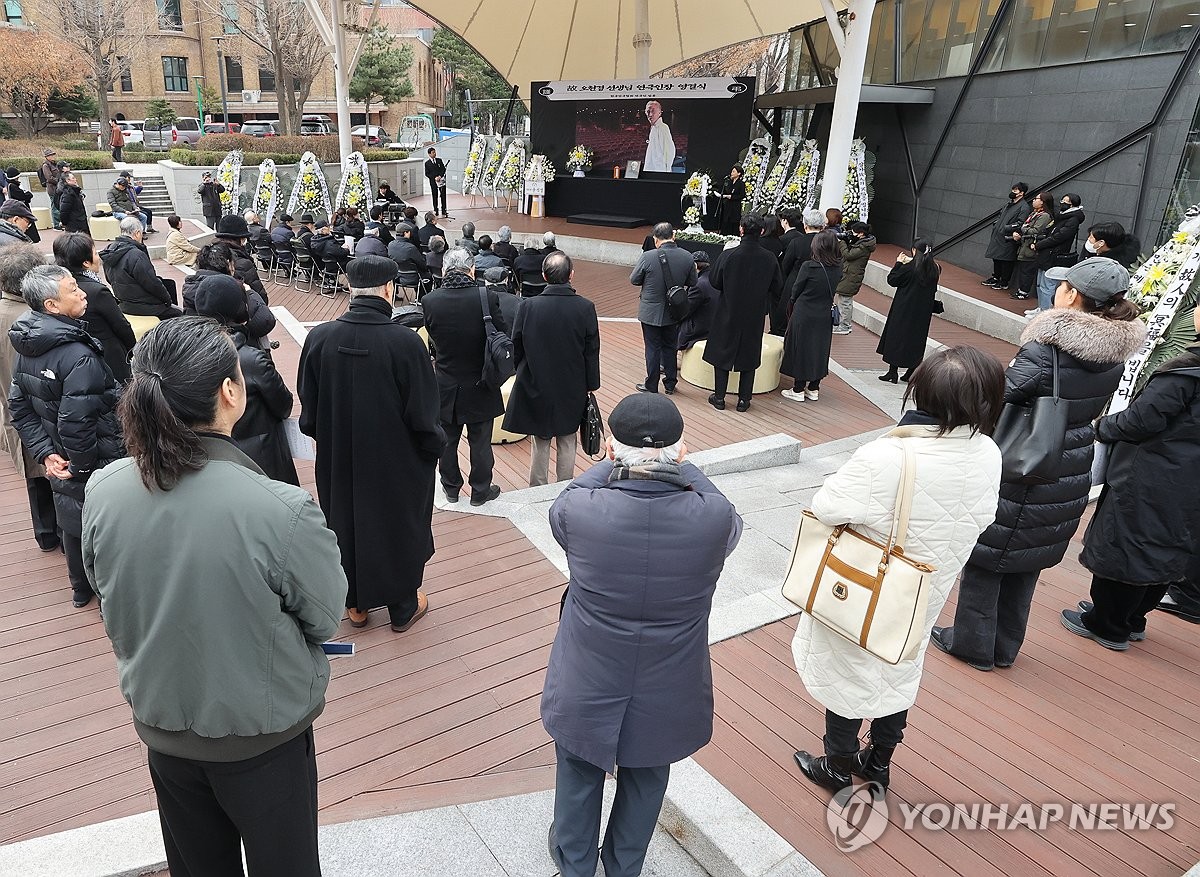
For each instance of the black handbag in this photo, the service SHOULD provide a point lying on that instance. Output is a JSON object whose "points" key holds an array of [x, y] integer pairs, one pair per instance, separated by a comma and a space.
{"points": [[591, 428], [499, 360], [1031, 437]]}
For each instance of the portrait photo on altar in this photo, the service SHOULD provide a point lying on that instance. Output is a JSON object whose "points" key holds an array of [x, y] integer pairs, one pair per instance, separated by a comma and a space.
{"points": [[653, 133]]}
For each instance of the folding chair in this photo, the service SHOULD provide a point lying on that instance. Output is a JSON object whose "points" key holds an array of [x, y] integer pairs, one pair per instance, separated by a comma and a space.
{"points": [[304, 266], [330, 272], [285, 260]]}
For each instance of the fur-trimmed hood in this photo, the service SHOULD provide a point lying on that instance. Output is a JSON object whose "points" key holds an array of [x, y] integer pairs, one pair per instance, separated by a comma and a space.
{"points": [[1087, 337]]}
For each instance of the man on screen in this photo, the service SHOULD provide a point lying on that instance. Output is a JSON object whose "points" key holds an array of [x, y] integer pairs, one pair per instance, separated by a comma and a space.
{"points": [[660, 148]]}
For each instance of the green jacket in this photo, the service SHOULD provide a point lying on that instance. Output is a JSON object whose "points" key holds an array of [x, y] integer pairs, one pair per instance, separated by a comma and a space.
{"points": [[217, 595]]}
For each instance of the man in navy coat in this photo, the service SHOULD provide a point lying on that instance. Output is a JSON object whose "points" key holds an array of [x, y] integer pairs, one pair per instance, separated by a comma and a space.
{"points": [[629, 683]]}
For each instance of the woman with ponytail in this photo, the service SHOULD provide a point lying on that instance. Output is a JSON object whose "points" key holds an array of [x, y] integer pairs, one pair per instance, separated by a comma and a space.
{"points": [[902, 344], [1086, 337], [219, 586]]}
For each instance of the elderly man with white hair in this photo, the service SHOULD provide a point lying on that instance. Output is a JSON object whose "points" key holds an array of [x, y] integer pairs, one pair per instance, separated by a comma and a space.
{"points": [[549, 243], [796, 252], [454, 317], [503, 246], [130, 273], [629, 683], [257, 232]]}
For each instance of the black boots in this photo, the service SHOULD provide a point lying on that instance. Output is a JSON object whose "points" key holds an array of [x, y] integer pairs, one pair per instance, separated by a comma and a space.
{"points": [[892, 377], [829, 771], [905, 377], [874, 764]]}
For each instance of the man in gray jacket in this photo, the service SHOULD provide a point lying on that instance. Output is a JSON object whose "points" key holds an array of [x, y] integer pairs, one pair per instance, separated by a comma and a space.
{"points": [[656, 272], [629, 681]]}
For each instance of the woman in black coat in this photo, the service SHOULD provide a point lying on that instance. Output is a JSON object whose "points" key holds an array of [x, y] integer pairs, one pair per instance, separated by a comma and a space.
{"points": [[104, 321], [1143, 535], [902, 343], [71, 210], [733, 193], [259, 433], [746, 277], [810, 326], [1090, 336], [219, 258]]}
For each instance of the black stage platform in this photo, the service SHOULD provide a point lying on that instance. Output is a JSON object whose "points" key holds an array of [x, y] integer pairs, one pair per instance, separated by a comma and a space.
{"points": [[621, 203]]}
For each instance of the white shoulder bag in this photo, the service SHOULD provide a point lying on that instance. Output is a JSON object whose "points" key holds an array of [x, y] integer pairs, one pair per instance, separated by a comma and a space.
{"points": [[868, 593]]}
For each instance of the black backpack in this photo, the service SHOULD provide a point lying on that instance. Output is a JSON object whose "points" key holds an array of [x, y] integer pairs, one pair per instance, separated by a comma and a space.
{"points": [[41, 175], [677, 296], [499, 359]]}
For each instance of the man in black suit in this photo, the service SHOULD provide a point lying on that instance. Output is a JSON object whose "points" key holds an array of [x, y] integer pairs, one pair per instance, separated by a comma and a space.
{"points": [[406, 254], [454, 319], [430, 230], [435, 172]]}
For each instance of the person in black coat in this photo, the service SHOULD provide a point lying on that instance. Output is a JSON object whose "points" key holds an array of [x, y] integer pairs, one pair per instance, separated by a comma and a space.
{"points": [[1144, 533], [1002, 249], [745, 278], [503, 246], [259, 432], [810, 329], [218, 258], [1055, 247], [14, 190], [324, 246], [405, 253], [72, 213], [1090, 333], [797, 249], [130, 272], [234, 231], [64, 403], [431, 229], [103, 319], [702, 304], [454, 319], [210, 200], [435, 173], [556, 341], [371, 245], [497, 280], [733, 193], [382, 512], [351, 225], [530, 261], [902, 342], [1110, 240]]}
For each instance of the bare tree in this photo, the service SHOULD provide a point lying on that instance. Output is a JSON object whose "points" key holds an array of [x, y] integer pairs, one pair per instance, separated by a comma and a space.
{"points": [[764, 58], [109, 34], [287, 44]]}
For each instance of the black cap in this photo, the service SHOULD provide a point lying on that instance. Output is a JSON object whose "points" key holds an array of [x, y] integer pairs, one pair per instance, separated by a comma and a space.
{"points": [[127, 174], [287, 217], [306, 218], [367, 272], [498, 274], [12, 207], [232, 226], [701, 258], [646, 420], [223, 298]]}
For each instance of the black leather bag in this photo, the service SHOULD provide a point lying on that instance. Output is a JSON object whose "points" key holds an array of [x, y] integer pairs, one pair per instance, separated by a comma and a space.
{"points": [[1031, 437], [591, 428], [677, 296], [499, 359]]}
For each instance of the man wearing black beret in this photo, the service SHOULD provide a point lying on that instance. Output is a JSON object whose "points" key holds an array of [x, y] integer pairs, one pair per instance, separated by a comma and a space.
{"points": [[370, 399], [629, 682]]}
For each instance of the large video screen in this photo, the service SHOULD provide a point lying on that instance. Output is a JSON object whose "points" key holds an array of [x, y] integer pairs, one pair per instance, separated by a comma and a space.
{"points": [[670, 127]]}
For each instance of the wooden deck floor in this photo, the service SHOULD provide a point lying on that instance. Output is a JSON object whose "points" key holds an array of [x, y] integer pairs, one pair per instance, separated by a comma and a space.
{"points": [[1069, 722]]}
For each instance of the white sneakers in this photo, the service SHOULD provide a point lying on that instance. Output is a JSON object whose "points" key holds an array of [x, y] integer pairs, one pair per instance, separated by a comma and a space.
{"points": [[802, 396]]}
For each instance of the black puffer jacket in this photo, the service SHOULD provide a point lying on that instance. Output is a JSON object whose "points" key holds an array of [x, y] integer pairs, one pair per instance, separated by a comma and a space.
{"points": [[1057, 245], [130, 273], [71, 210], [1034, 523], [259, 433], [261, 322], [64, 401], [105, 322]]}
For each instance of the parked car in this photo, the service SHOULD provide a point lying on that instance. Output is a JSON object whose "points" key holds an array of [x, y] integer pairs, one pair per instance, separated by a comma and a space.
{"points": [[314, 129], [262, 128], [219, 128], [373, 134], [133, 131], [165, 135]]}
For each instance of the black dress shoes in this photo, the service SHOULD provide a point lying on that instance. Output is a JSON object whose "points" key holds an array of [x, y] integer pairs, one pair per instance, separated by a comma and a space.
{"points": [[717, 402], [491, 493]]}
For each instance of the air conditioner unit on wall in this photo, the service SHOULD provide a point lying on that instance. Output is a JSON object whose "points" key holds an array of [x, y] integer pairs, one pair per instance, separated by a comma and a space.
{"points": [[251, 97]]}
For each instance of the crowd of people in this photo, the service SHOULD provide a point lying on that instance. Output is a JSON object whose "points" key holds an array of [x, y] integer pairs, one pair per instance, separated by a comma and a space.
{"points": [[120, 439]]}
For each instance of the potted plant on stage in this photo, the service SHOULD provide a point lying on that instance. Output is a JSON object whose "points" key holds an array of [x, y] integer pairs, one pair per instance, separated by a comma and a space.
{"points": [[579, 160], [691, 216]]}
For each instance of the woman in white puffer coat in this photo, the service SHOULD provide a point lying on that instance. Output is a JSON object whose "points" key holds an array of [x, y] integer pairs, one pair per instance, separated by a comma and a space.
{"points": [[958, 394]]}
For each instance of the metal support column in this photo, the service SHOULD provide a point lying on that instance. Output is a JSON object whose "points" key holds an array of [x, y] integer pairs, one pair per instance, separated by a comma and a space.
{"points": [[641, 38], [341, 79], [845, 102]]}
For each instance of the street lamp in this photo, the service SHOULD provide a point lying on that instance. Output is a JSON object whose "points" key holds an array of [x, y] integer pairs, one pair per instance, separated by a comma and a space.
{"points": [[221, 75]]}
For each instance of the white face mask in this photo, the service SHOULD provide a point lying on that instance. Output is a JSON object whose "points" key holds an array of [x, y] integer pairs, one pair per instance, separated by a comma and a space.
{"points": [[1089, 246]]}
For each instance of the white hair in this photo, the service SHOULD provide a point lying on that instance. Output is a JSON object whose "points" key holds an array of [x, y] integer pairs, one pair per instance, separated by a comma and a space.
{"points": [[458, 259], [814, 218], [548, 239], [131, 225], [628, 455], [505, 233], [250, 216]]}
